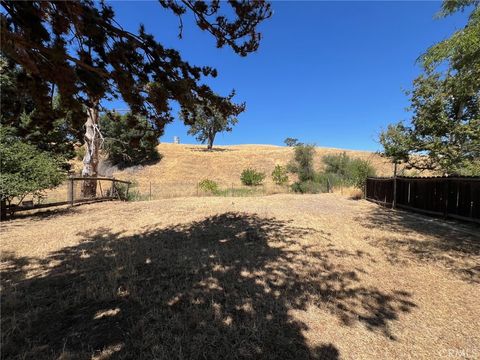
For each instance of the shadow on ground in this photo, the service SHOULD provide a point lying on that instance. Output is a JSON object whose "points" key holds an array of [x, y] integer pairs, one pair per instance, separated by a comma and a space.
{"points": [[214, 289], [451, 244], [212, 150]]}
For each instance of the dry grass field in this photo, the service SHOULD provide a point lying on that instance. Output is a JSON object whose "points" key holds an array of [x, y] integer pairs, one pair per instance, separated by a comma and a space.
{"points": [[183, 166], [274, 277]]}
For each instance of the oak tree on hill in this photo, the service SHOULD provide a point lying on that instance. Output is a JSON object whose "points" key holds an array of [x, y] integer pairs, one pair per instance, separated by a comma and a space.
{"points": [[209, 121], [78, 50], [291, 142]]}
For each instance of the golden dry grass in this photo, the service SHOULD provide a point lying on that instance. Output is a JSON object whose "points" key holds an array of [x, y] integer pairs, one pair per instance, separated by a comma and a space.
{"points": [[275, 277], [183, 166]]}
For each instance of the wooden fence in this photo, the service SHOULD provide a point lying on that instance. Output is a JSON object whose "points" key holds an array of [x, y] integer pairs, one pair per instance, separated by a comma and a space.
{"points": [[454, 197], [105, 189]]}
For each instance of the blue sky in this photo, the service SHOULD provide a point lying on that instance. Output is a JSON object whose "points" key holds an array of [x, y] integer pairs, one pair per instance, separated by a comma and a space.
{"points": [[329, 73]]}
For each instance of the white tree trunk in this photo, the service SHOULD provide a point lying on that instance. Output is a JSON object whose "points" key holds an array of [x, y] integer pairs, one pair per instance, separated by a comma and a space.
{"points": [[90, 160]]}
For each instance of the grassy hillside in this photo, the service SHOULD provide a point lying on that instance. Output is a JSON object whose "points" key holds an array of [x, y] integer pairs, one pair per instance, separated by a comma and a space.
{"points": [[183, 166]]}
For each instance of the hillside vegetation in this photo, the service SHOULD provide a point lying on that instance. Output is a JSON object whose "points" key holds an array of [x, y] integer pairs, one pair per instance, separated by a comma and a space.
{"points": [[183, 166]]}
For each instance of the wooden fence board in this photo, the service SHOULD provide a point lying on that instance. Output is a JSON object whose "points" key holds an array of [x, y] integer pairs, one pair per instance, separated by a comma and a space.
{"points": [[455, 197]]}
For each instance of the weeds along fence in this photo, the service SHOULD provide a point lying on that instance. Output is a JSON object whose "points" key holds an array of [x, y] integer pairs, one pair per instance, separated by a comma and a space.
{"points": [[452, 197], [77, 190]]}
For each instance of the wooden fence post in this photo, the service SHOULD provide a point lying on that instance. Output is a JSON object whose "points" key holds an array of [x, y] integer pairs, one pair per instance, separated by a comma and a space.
{"points": [[112, 189], [394, 200], [71, 189], [445, 195]]}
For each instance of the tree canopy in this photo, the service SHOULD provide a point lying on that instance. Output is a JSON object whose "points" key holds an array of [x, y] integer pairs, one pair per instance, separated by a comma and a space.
{"points": [[78, 50], [20, 114], [208, 121], [25, 169], [291, 142], [444, 132], [125, 145]]}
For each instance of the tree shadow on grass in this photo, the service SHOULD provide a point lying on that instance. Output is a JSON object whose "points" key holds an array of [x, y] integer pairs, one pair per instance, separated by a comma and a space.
{"points": [[452, 244], [45, 213], [212, 150], [213, 289]]}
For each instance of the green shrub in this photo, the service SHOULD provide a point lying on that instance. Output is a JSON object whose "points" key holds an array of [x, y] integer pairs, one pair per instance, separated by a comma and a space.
{"points": [[133, 193], [348, 171], [279, 175], [308, 187], [329, 180], [25, 170], [337, 164], [208, 186], [302, 163], [252, 177], [359, 170], [80, 152]]}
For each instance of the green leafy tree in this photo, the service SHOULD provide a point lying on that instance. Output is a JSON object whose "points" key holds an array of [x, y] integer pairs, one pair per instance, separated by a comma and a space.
{"points": [[444, 132], [25, 169], [396, 143], [208, 121], [337, 164], [279, 175], [20, 113], [127, 145]]}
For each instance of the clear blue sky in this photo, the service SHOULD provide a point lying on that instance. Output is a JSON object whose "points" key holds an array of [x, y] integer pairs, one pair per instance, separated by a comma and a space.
{"points": [[330, 73]]}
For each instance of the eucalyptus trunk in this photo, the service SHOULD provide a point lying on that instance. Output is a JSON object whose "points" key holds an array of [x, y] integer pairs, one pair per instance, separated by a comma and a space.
{"points": [[90, 160]]}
